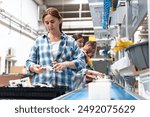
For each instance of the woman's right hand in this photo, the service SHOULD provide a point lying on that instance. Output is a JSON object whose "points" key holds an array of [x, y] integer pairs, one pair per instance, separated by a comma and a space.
{"points": [[37, 68]]}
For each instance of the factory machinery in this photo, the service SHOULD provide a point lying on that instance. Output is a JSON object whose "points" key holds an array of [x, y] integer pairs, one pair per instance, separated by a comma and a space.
{"points": [[122, 53]]}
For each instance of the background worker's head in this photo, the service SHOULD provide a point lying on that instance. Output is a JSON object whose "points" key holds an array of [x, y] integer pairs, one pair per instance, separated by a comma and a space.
{"points": [[89, 46], [79, 39]]}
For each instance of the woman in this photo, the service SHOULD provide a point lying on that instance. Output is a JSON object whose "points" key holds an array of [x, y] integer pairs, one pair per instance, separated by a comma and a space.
{"points": [[55, 57]]}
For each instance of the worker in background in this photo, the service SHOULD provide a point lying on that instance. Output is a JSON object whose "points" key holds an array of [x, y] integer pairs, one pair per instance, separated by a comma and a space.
{"points": [[55, 57], [87, 50], [79, 39]]}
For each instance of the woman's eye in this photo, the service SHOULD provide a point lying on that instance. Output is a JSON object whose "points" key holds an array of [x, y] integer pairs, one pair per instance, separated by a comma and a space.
{"points": [[47, 23], [51, 21]]}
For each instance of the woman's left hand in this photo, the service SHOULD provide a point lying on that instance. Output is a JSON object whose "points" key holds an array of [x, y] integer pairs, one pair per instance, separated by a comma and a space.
{"points": [[60, 66]]}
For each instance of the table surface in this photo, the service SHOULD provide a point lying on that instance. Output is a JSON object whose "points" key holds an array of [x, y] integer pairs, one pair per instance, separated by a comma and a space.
{"points": [[116, 93]]}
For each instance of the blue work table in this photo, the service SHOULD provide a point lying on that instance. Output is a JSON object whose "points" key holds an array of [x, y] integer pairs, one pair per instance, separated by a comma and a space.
{"points": [[117, 93]]}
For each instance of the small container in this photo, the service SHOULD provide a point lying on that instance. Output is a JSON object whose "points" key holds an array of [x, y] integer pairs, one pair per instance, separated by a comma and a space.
{"points": [[100, 89]]}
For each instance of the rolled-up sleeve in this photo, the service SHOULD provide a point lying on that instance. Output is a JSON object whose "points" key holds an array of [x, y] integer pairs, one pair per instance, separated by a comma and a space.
{"points": [[32, 57], [80, 59]]}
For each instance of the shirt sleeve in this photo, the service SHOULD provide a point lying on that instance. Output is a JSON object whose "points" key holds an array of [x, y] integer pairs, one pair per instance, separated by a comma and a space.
{"points": [[78, 57], [32, 57]]}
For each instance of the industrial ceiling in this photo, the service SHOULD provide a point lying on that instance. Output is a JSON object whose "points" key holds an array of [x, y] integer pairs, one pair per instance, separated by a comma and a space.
{"points": [[76, 15], [82, 16]]}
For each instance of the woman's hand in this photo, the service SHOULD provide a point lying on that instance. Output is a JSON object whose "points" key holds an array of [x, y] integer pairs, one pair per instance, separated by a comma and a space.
{"points": [[37, 68], [99, 74], [60, 66], [96, 73]]}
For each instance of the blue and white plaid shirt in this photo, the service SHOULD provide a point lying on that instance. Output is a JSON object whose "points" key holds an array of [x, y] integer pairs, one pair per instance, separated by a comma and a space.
{"points": [[68, 51]]}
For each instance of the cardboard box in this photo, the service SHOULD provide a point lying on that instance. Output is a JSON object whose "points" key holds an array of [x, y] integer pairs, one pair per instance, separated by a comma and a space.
{"points": [[18, 69], [4, 79]]}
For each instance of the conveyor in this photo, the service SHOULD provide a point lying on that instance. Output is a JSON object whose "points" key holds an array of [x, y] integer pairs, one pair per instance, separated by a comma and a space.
{"points": [[117, 93]]}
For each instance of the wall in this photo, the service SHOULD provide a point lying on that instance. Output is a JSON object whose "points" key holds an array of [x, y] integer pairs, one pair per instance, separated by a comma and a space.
{"points": [[26, 11]]}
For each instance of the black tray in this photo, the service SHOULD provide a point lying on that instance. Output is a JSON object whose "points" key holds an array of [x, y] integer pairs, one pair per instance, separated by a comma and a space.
{"points": [[45, 93]]}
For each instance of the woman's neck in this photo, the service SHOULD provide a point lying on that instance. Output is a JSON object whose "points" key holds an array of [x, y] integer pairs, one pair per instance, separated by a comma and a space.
{"points": [[54, 36]]}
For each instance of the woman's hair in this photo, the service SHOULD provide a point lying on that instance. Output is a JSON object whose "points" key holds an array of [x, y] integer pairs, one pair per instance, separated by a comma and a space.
{"points": [[91, 43], [77, 36], [53, 12]]}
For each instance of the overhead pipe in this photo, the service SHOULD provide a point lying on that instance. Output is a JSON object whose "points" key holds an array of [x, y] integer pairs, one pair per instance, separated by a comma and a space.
{"points": [[18, 23]]}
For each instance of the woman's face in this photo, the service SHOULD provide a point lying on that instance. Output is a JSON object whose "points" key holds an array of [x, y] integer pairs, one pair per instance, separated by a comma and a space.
{"points": [[88, 48], [80, 42], [52, 23]]}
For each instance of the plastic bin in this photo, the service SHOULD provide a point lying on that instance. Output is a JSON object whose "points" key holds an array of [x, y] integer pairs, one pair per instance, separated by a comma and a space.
{"points": [[31, 92], [102, 65], [139, 55]]}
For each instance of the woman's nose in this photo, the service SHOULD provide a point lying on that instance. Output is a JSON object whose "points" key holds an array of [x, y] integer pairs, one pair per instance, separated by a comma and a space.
{"points": [[49, 24]]}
